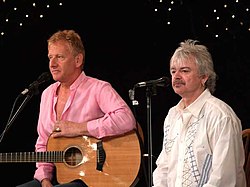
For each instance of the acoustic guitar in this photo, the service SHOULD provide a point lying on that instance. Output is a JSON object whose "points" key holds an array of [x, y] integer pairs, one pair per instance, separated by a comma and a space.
{"points": [[110, 162]]}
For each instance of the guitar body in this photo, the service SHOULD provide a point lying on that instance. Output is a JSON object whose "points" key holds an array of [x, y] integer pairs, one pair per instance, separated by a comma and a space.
{"points": [[109, 162]]}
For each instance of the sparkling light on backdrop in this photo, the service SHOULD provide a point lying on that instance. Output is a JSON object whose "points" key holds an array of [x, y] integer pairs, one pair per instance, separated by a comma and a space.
{"points": [[211, 19], [228, 18], [17, 14]]}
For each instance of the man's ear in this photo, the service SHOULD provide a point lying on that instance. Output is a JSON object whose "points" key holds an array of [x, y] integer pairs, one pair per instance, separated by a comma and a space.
{"points": [[79, 60], [204, 79]]}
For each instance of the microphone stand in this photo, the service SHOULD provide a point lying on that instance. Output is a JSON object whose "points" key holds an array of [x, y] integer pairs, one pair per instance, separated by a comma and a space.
{"points": [[29, 92], [11, 120], [150, 91]]}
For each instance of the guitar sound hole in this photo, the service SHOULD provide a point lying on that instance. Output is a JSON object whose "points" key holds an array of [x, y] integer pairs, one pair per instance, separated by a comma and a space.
{"points": [[73, 156]]}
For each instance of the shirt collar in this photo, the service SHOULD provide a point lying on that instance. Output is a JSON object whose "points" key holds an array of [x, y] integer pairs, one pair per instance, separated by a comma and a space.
{"points": [[75, 84], [197, 105]]}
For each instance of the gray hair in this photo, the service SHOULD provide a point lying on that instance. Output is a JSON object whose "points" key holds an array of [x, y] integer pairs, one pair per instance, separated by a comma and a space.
{"points": [[203, 59]]}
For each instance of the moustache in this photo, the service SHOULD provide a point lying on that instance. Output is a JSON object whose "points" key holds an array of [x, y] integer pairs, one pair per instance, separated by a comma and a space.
{"points": [[178, 82]]}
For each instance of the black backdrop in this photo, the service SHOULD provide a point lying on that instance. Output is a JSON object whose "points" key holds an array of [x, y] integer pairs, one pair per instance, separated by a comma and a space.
{"points": [[126, 42]]}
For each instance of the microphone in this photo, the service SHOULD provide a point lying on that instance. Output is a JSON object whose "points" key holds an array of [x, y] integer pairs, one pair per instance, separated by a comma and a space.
{"points": [[163, 82], [34, 85]]}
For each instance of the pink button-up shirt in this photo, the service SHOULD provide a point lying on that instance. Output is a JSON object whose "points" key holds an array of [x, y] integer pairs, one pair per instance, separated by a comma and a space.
{"points": [[91, 100]]}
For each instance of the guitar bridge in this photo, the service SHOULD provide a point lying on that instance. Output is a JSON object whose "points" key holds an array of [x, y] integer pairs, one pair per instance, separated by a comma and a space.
{"points": [[100, 157]]}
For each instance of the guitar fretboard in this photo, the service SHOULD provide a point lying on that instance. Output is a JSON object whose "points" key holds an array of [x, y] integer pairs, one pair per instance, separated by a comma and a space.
{"points": [[50, 156]]}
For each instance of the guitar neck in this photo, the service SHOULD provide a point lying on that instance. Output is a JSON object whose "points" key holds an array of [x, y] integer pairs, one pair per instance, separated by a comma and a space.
{"points": [[50, 156]]}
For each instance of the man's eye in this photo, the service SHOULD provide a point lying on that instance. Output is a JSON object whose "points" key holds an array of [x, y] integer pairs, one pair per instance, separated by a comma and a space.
{"points": [[172, 72], [185, 70], [59, 57]]}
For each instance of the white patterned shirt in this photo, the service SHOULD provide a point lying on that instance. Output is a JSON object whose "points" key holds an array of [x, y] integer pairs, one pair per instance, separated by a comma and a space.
{"points": [[202, 146]]}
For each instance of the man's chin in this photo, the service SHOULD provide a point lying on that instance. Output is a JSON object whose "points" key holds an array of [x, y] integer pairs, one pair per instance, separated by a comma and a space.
{"points": [[178, 90]]}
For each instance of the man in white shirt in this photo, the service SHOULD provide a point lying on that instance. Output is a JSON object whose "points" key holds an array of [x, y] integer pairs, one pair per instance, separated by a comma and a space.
{"points": [[202, 144]]}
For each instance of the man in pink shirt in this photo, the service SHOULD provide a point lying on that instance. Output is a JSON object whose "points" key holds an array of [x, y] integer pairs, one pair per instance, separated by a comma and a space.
{"points": [[75, 105]]}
